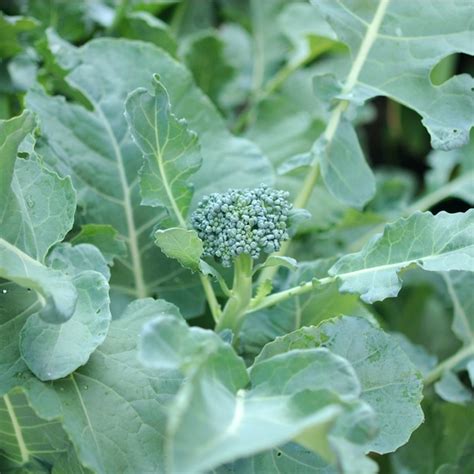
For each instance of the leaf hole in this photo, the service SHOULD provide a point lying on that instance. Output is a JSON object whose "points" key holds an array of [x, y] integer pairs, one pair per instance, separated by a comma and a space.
{"points": [[448, 67]]}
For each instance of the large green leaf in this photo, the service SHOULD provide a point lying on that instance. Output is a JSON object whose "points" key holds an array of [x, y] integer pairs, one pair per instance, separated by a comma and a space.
{"points": [[298, 395], [26, 440], [96, 149], [435, 243], [110, 396], [390, 383], [401, 54], [170, 150]]}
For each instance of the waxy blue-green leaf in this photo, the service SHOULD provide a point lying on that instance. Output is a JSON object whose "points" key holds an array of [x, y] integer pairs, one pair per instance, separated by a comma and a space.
{"points": [[441, 242], [393, 51], [53, 351], [346, 174], [27, 441], [95, 147], [56, 291], [170, 150], [298, 395], [36, 211], [113, 385], [390, 383]]}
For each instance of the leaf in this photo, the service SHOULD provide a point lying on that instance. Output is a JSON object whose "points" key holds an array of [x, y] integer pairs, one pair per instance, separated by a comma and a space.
{"points": [[143, 26], [95, 148], [105, 238], [54, 351], [459, 286], [346, 174], [284, 399], [182, 245], [291, 457], [56, 291], [445, 164], [451, 389], [309, 309], [418, 355], [70, 19], [11, 29], [434, 243], [277, 261], [307, 31], [441, 445], [204, 55], [113, 385], [26, 439], [413, 49], [33, 218], [390, 384], [170, 150], [36, 206]]}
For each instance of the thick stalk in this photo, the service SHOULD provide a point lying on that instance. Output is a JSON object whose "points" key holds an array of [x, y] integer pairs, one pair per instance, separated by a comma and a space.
{"points": [[237, 304], [449, 364]]}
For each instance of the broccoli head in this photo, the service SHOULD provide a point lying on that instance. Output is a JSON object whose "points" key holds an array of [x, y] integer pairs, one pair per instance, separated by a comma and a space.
{"points": [[242, 221]]}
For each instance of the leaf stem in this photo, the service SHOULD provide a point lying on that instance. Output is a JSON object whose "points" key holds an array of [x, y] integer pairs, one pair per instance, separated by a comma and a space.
{"points": [[449, 363], [281, 296], [214, 305]]}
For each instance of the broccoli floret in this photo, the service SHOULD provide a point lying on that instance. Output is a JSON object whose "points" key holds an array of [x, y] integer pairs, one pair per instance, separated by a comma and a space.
{"points": [[242, 221]]}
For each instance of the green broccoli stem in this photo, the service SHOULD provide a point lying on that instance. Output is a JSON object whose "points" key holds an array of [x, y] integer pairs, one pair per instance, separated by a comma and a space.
{"points": [[241, 294]]}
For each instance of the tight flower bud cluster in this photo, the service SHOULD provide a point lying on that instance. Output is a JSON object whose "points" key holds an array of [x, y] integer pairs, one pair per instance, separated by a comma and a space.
{"points": [[242, 221]]}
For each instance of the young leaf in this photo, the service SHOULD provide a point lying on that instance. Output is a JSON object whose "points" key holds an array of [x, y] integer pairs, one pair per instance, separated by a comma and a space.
{"points": [[390, 383], [435, 243], [182, 245], [284, 400], [170, 150]]}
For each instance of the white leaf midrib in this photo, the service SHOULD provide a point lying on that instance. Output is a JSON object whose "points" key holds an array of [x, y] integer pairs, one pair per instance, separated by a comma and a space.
{"points": [[137, 268]]}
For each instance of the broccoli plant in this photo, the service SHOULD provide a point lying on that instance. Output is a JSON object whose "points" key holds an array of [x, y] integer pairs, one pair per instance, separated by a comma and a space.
{"points": [[218, 252], [236, 228]]}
